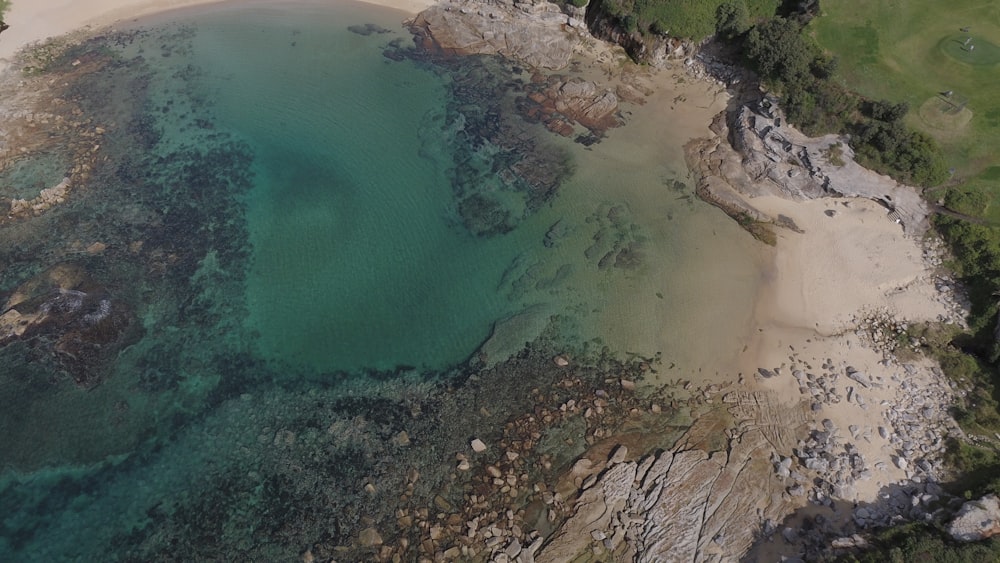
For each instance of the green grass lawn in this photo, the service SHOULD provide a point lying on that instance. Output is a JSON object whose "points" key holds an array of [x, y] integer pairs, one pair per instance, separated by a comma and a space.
{"points": [[914, 51]]}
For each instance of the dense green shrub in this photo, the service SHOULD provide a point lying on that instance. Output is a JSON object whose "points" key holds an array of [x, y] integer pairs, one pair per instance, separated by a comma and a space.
{"points": [[892, 148], [968, 200], [732, 19], [925, 544], [686, 19], [781, 52]]}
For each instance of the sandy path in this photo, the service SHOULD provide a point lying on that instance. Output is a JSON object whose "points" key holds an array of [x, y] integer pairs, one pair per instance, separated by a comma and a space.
{"points": [[36, 20]]}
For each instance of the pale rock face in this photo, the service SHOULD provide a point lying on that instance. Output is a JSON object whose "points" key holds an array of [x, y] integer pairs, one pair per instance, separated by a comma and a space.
{"points": [[977, 520], [691, 503], [537, 34]]}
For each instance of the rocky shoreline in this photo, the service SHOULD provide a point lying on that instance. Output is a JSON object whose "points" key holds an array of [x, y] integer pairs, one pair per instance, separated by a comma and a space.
{"points": [[617, 491]]}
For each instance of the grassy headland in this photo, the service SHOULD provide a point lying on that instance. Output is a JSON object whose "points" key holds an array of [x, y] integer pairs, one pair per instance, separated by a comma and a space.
{"points": [[689, 19], [942, 60]]}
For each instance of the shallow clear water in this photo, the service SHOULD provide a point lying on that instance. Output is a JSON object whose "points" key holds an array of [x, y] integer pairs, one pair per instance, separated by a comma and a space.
{"points": [[293, 267], [358, 260]]}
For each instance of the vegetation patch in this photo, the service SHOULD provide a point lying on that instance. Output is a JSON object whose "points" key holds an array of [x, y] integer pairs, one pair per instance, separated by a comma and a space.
{"points": [[760, 230], [835, 154], [686, 19], [923, 542]]}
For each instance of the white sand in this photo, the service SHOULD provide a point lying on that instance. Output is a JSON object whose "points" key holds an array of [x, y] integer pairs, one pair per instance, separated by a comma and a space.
{"points": [[37, 20], [843, 263], [841, 266]]}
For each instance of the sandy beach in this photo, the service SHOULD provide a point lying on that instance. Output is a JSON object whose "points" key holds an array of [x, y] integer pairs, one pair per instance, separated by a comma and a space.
{"points": [[38, 20], [851, 260]]}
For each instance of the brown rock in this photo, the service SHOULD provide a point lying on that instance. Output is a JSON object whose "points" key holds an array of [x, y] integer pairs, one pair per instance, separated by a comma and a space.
{"points": [[369, 537], [442, 504], [402, 439]]}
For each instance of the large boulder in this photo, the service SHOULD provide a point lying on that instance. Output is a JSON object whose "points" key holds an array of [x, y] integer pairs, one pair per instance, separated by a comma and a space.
{"points": [[977, 520]]}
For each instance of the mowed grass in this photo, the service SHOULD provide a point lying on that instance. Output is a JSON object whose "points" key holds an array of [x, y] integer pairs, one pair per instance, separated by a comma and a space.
{"points": [[913, 51]]}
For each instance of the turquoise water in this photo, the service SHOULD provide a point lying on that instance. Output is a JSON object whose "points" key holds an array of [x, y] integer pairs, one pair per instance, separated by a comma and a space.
{"points": [[295, 274], [357, 260]]}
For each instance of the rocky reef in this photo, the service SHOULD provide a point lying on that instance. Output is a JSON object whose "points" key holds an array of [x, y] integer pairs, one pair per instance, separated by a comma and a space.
{"points": [[535, 32], [504, 167], [111, 275], [70, 320]]}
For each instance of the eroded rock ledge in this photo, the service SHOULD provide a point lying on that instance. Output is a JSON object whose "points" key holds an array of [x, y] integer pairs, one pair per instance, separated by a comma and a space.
{"points": [[704, 500], [756, 153]]}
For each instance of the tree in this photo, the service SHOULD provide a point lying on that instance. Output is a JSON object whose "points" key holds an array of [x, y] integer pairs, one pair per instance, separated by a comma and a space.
{"points": [[780, 51], [887, 111], [824, 67], [732, 19]]}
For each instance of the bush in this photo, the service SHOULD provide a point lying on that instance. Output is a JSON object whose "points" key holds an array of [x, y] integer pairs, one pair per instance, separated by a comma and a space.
{"points": [[732, 19], [892, 148], [968, 200], [780, 51], [923, 543]]}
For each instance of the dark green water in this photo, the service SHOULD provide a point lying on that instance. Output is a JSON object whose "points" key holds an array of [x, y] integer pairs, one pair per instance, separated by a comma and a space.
{"points": [[302, 240]]}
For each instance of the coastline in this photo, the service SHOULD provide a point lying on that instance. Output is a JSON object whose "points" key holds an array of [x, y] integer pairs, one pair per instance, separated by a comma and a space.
{"points": [[816, 286], [39, 20]]}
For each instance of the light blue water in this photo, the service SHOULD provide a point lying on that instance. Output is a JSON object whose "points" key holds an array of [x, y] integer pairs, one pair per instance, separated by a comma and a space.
{"points": [[357, 259]]}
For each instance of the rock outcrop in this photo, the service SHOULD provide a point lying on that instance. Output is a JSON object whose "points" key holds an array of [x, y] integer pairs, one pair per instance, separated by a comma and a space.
{"points": [[65, 310], [650, 49], [46, 199], [764, 156], [706, 499], [561, 102], [534, 32]]}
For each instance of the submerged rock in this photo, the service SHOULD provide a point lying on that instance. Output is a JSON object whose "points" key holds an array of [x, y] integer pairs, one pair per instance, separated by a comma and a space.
{"points": [[66, 311]]}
